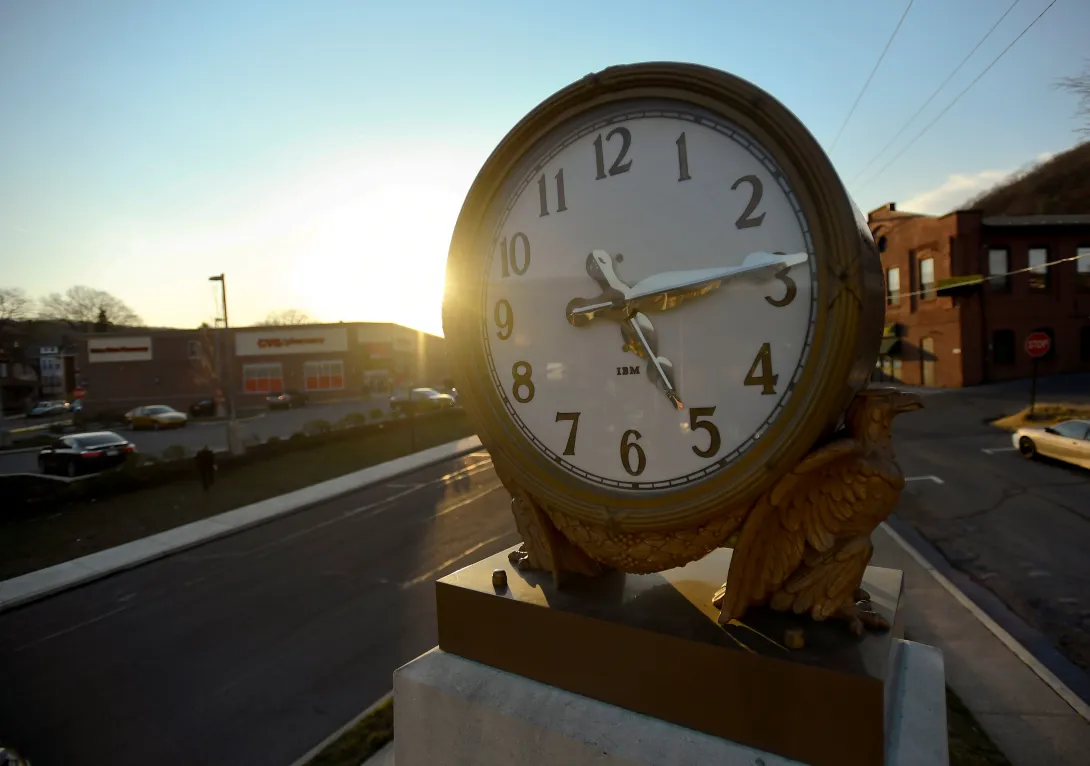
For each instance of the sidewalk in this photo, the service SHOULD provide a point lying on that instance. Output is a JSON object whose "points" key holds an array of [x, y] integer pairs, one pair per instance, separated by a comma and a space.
{"points": [[1022, 714]]}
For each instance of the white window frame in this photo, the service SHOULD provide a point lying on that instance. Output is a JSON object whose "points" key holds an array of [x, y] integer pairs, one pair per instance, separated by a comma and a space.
{"points": [[333, 364], [260, 371], [927, 289], [1004, 282], [1082, 267], [1040, 269]]}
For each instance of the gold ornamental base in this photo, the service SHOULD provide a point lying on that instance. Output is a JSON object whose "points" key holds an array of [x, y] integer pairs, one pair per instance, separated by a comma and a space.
{"points": [[652, 644]]}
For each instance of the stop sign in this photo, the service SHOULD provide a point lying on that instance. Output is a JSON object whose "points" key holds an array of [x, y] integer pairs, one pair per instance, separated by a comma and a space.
{"points": [[1038, 344]]}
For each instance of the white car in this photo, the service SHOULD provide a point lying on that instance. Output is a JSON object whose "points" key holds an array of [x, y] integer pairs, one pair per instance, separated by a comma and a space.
{"points": [[1068, 441]]}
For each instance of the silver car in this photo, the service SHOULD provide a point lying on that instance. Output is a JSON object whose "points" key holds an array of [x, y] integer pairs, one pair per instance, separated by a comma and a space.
{"points": [[1068, 441]]}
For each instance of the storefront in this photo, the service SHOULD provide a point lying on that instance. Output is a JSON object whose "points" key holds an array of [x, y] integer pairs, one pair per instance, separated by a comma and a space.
{"points": [[310, 359]]}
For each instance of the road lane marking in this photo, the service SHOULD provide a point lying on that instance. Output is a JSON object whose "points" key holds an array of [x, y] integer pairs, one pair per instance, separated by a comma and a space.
{"points": [[451, 561], [935, 479], [993, 450], [1039, 573], [72, 628]]}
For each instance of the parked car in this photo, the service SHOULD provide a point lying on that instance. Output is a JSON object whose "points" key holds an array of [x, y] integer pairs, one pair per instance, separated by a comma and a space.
{"points": [[205, 408], [84, 453], [420, 400], [286, 400], [1068, 441], [48, 408], [155, 416]]}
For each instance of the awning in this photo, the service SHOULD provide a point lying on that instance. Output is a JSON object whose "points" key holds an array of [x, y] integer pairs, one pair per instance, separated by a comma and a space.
{"points": [[890, 347]]}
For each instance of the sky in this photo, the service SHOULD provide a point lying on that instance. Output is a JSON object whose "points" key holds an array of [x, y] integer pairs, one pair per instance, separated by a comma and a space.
{"points": [[318, 153]]}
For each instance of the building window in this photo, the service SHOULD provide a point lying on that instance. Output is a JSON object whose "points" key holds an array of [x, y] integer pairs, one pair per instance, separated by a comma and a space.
{"points": [[1082, 267], [1003, 347], [893, 287], [194, 349], [1038, 271], [998, 266], [1084, 344], [324, 376], [261, 378], [927, 278]]}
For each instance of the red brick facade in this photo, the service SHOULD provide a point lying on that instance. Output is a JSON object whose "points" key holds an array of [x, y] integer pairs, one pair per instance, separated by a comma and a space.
{"points": [[975, 334]]}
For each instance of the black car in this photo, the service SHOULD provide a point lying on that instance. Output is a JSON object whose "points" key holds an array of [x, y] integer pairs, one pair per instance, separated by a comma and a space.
{"points": [[205, 408], [286, 400], [84, 453]]}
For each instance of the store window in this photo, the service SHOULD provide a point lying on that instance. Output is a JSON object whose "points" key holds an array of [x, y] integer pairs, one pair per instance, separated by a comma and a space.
{"points": [[1038, 271], [262, 378], [1082, 268], [893, 287], [324, 376], [927, 278], [194, 349], [1003, 347], [998, 266]]}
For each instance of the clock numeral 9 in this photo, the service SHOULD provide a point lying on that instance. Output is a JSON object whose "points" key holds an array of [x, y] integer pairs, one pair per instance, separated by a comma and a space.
{"points": [[505, 319], [627, 448], [696, 424], [569, 447], [744, 220], [543, 196], [509, 258], [521, 372], [619, 165], [766, 380]]}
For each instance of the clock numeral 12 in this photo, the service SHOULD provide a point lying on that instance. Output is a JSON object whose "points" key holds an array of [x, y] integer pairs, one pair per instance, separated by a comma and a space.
{"points": [[543, 196], [766, 380], [505, 319], [626, 451], [522, 381], [510, 257], [569, 447], [619, 165]]}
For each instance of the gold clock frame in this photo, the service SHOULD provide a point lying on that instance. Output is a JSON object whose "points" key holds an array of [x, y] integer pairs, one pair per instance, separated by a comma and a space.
{"points": [[847, 332]]}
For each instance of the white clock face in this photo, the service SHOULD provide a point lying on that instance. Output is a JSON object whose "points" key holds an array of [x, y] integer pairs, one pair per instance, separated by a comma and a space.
{"points": [[652, 228]]}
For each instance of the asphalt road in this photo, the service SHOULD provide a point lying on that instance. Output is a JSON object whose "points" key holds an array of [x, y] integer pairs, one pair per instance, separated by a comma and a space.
{"points": [[253, 648], [198, 433]]}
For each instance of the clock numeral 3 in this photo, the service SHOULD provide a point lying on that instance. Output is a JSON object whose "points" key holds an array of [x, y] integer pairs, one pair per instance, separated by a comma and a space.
{"points": [[696, 424], [766, 380], [521, 372], [627, 448], [791, 291], [510, 256], [619, 165], [543, 196], [682, 159], [744, 220], [569, 447], [505, 319]]}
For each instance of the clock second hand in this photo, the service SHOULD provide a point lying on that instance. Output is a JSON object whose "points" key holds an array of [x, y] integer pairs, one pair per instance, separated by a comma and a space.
{"points": [[667, 384]]}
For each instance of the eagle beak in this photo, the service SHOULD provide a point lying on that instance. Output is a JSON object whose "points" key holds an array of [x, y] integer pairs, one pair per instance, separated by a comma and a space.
{"points": [[904, 401]]}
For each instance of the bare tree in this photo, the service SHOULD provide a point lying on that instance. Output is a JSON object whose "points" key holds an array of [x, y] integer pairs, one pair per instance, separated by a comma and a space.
{"points": [[1080, 86], [286, 317], [15, 305], [83, 307]]}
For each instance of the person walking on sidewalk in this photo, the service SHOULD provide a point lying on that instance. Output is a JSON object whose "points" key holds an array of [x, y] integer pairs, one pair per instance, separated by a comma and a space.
{"points": [[206, 467]]}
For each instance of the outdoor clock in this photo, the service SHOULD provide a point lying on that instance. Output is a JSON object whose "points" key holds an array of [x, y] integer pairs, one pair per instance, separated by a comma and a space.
{"points": [[659, 298]]}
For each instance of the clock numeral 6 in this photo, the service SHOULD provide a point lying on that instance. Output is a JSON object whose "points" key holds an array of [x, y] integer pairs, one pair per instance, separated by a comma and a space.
{"points": [[509, 258], [573, 417], [619, 165], [505, 319], [766, 380], [744, 220], [521, 372], [626, 451], [543, 195], [696, 424]]}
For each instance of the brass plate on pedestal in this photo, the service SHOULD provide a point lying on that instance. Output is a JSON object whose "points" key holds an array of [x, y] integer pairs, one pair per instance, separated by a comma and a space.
{"points": [[652, 644]]}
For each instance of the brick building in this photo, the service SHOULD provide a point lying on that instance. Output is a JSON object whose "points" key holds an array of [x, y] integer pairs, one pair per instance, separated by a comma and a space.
{"points": [[179, 367], [956, 315]]}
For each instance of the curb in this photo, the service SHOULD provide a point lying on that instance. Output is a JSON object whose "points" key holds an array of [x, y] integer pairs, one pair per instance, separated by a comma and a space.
{"points": [[51, 580], [1028, 659], [306, 758]]}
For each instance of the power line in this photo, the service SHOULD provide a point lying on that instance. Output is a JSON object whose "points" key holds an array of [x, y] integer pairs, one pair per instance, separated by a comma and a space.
{"points": [[957, 98], [989, 277], [935, 93], [871, 77]]}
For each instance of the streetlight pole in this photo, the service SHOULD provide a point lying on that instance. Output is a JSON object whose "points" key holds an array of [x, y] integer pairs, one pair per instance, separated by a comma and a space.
{"points": [[222, 279]]}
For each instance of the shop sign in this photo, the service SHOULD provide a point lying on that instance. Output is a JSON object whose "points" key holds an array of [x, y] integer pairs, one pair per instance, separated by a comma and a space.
{"points": [[117, 349], [277, 341]]}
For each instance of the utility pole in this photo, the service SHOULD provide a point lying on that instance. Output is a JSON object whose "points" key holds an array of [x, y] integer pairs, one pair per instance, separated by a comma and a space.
{"points": [[225, 384]]}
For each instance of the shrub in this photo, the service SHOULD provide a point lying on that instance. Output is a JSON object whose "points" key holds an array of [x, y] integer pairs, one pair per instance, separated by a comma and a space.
{"points": [[175, 452], [377, 414], [274, 440], [298, 436], [317, 427], [351, 420]]}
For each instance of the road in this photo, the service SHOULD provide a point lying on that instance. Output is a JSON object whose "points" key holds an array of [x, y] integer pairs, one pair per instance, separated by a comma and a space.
{"points": [[253, 648], [198, 433]]}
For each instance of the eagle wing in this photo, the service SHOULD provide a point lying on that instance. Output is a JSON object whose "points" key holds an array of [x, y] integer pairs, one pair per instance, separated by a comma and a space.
{"points": [[809, 505]]}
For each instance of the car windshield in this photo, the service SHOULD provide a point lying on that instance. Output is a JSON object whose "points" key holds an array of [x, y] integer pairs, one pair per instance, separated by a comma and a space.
{"points": [[158, 409], [425, 392], [96, 440]]}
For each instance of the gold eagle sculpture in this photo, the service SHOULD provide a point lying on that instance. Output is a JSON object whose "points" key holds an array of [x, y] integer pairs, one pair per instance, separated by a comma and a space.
{"points": [[803, 546]]}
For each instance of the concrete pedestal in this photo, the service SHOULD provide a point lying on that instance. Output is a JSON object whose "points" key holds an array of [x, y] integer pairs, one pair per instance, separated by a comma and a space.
{"points": [[453, 711]]}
